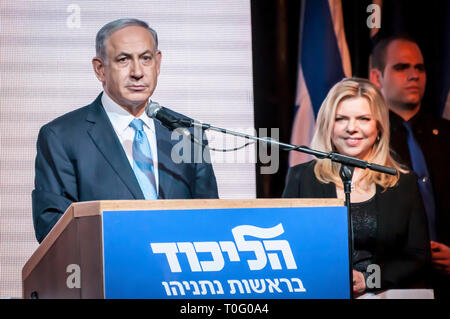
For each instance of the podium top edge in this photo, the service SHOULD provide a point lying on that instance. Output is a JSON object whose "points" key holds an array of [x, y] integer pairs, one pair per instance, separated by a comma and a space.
{"points": [[92, 208]]}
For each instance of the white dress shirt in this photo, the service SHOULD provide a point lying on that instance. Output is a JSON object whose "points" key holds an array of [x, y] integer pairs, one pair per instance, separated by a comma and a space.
{"points": [[120, 120]]}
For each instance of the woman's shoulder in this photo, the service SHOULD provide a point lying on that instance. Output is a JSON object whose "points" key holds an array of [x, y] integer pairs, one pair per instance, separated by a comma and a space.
{"points": [[301, 182], [300, 169], [406, 184]]}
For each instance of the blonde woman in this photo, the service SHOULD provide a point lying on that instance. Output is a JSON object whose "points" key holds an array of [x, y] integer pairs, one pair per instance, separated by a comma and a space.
{"points": [[389, 223]]}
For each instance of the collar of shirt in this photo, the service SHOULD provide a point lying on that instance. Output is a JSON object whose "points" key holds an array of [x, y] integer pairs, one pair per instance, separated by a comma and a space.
{"points": [[396, 122], [121, 118]]}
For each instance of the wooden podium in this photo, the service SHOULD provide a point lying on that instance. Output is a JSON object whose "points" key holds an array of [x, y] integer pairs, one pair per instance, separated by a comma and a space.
{"points": [[77, 240]]}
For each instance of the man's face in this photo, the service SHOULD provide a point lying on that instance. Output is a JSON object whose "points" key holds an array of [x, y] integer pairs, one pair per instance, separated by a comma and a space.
{"points": [[403, 80], [130, 72]]}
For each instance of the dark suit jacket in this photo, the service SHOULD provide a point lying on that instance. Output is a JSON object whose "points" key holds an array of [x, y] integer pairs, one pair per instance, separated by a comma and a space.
{"points": [[402, 249], [80, 158], [433, 135]]}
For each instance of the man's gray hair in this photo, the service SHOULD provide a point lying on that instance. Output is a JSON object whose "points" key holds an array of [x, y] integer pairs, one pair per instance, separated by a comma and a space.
{"points": [[104, 33]]}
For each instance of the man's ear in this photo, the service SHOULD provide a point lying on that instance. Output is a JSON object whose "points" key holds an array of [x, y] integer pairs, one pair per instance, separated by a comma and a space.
{"points": [[158, 61], [375, 77], [99, 68]]}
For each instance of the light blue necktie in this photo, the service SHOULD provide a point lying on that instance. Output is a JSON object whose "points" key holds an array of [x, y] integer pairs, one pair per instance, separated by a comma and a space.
{"points": [[143, 161], [419, 166]]}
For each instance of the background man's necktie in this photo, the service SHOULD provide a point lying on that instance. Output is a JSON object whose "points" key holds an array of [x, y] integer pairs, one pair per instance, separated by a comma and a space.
{"points": [[419, 166], [143, 161]]}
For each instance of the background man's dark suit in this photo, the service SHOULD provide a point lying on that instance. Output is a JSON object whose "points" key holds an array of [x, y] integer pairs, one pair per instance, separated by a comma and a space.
{"points": [[433, 135], [80, 158]]}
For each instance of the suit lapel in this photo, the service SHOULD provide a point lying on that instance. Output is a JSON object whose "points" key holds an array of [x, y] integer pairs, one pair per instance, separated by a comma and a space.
{"points": [[104, 137], [165, 163]]}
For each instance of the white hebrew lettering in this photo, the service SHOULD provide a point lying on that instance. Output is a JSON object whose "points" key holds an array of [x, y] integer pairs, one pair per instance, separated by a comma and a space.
{"points": [[252, 245], [247, 287], [300, 285], [263, 250], [288, 283], [170, 250], [189, 250], [213, 248], [195, 285], [219, 287], [176, 284], [230, 248], [285, 248], [233, 282], [273, 285], [274, 261], [166, 287], [258, 285], [186, 285], [203, 284]]}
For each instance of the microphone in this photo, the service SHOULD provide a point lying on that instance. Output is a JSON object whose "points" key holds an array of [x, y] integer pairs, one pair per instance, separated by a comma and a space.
{"points": [[163, 115]]}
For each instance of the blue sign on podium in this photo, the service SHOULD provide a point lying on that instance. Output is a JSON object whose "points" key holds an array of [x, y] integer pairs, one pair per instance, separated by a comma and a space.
{"points": [[242, 253]]}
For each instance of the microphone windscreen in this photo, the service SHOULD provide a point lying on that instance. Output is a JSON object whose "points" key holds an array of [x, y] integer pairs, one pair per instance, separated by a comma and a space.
{"points": [[152, 108]]}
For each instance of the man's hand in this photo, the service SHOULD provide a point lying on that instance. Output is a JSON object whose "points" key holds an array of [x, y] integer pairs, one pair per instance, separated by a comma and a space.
{"points": [[440, 257], [359, 283]]}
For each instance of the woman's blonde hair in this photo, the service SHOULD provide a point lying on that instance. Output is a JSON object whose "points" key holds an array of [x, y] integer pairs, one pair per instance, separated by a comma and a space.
{"points": [[327, 171]]}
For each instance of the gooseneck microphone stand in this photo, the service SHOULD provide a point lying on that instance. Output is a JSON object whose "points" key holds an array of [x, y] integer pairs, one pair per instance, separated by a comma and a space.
{"points": [[348, 164], [346, 174], [333, 156]]}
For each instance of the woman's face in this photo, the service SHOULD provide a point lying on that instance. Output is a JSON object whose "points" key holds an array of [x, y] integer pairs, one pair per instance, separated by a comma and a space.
{"points": [[354, 129]]}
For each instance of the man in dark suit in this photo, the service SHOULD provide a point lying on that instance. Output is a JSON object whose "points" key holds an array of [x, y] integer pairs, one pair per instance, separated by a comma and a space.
{"points": [[419, 139], [111, 149]]}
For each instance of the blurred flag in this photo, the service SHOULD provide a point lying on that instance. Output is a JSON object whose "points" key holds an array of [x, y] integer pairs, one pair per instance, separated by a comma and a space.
{"points": [[324, 59]]}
